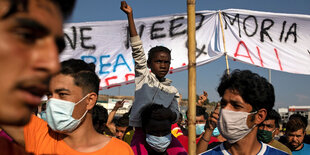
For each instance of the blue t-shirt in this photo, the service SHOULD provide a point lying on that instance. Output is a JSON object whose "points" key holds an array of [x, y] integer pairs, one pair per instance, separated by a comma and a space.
{"points": [[304, 150], [265, 149]]}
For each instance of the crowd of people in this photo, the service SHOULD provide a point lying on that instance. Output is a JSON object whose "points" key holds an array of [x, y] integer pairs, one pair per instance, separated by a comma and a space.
{"points": [[71, 122]]}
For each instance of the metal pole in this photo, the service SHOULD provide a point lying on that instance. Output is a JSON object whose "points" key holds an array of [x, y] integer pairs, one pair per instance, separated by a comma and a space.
{"points": [[191, 30]]}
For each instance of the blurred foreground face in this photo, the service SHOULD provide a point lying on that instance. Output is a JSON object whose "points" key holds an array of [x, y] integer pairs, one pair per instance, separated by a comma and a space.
{"points": [[30, 42]]}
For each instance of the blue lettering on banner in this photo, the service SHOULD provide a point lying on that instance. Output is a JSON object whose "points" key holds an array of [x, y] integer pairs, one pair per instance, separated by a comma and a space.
{"points": [[119, 64], [104, 65]]}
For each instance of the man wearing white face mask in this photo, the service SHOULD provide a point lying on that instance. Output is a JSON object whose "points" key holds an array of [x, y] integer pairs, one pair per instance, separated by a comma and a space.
{"points": [[246, 99], [69, 129]]}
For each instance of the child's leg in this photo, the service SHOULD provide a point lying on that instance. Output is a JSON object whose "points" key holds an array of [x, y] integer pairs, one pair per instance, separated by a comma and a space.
{"points": [[138, 142]]}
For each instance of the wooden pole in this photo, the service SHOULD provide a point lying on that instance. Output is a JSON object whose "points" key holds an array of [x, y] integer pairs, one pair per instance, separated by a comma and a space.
{"points": [[191, 30], [224, 42]]}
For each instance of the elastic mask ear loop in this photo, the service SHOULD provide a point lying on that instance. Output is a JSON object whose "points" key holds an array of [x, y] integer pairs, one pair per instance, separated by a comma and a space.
{"points": [[80, 102], [81, 99]]}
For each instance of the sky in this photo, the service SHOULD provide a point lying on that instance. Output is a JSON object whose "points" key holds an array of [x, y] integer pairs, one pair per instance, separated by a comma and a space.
{"points": [[290, 89]]}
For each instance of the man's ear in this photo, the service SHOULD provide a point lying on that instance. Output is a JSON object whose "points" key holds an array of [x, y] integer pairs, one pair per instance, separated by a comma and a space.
{"points": [[92, 100], [260, 116]]}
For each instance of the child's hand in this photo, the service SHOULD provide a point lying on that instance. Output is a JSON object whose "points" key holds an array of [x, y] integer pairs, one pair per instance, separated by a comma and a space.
{"points": [[202, 98], [119, 104], [126, 8]]}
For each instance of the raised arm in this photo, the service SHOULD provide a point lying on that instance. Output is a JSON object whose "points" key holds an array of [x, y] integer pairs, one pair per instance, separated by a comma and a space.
{"points": [[109, 124], [128, 10], [136, 44], [203, 143]]}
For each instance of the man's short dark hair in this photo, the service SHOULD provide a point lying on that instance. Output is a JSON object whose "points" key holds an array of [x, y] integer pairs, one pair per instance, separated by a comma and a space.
{"points": [[84, 74], [304, 119], [294, 124], [156, 49], [274, 115], [65, 7], [201, 111], [254, 89]]}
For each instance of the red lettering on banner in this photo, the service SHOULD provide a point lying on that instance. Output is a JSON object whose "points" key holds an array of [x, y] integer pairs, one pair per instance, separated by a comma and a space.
{"points": [[260, 58], [171, 68], [247, 50], [110, 78], [127, 76], [276, 51]]}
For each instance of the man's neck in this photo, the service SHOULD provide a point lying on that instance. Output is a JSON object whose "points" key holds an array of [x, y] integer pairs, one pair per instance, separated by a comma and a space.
{"points": [[85, 138], [247, 145], [299, 147]]}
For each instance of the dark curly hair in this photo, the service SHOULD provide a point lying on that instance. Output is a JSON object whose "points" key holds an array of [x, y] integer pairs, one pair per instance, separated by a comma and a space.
{"points": [[254, 89], [274, 115], [156, 49], [65, 7], [84, 74]]}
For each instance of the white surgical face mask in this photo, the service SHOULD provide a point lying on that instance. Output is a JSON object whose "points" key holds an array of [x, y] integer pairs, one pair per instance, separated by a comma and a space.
{"points": [[59, 115], [233, 125], [159, 144]]}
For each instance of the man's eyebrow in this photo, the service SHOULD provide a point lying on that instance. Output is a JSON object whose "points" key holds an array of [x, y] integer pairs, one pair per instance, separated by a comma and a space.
{"points": [[61, 89], [32, 24]]}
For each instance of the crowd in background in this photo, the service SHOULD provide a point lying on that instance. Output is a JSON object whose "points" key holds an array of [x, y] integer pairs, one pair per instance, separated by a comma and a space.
{"points": [[71, 122]]}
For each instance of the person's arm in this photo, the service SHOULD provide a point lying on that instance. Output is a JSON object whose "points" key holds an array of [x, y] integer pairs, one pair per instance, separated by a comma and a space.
{"points": [[128, 10], [109, 124], [136, 43], [203, 143]]}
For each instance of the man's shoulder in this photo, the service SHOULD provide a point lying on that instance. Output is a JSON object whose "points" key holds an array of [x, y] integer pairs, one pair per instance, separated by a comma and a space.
{"points": [[280, 146], [267, 149], [306, 147], [118, 146], [218, 150]]}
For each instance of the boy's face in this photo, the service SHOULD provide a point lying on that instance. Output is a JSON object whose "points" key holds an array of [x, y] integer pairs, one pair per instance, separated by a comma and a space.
{"points": [[31, 40], [160, 64]]}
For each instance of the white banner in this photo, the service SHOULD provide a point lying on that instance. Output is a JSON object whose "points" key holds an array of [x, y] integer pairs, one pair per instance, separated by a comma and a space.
{"points": [[107, 44], [270, 40]]}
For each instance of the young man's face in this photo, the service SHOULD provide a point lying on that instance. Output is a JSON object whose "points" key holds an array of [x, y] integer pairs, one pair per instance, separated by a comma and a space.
{"points": [[30, 40], [120, 132], [295, 139], [160, 64], [268, 125], [232, 101], [200, 119], [63, 87]]}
